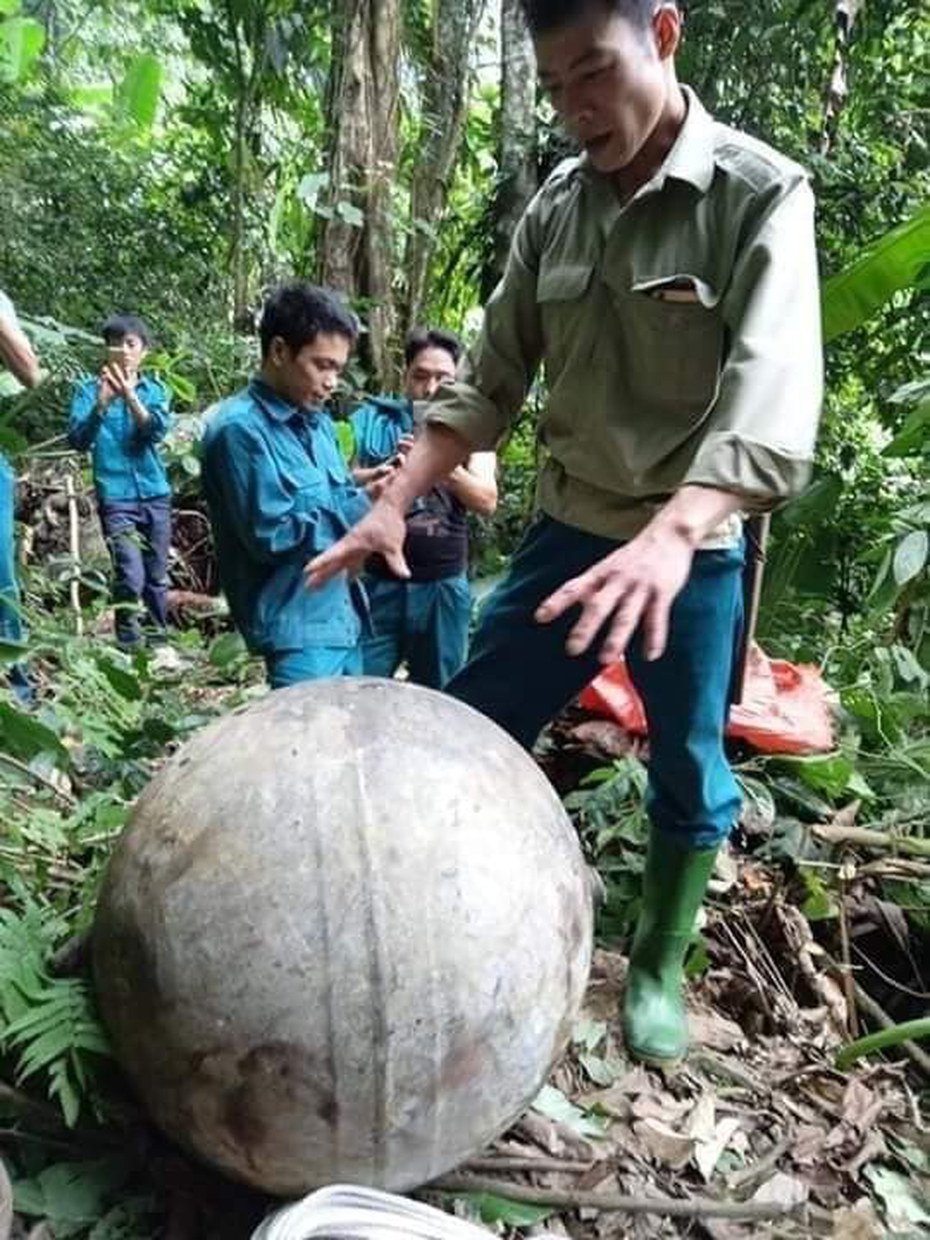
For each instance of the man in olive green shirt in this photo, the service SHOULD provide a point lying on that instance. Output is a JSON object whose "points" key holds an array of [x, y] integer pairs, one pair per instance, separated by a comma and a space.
{"points": [[667, 280]]}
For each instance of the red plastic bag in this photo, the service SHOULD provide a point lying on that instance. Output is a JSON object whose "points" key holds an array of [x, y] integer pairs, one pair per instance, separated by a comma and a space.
{"points": [[786, 707]]}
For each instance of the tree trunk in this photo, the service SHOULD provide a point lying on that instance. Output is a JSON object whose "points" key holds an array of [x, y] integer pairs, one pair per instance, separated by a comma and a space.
{"points": [[518, 138], [251, 54], [357, 243], [445, 104], [838, 88]]}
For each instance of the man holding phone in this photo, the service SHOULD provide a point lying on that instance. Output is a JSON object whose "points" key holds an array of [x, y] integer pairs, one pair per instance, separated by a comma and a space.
{"points": [[121, 417], [422, 622]]}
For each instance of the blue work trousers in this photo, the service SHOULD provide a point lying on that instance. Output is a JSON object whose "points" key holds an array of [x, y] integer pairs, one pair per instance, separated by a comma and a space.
{"points": [[291, 667], [138, 533], [421, 623], [520, 675]]}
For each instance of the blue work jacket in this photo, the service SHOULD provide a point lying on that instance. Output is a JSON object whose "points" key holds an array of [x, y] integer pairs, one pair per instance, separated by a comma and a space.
{"points": [[279, 492], [126, 461]]}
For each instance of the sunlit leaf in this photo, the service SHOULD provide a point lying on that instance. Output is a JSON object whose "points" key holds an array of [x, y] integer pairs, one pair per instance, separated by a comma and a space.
{"points": [[910, 556], [21, 44], [896, 261], [140, 90]]}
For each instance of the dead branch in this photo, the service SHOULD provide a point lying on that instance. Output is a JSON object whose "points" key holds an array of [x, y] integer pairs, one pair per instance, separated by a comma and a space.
{"points": [[884, 841], [672, 1207]]}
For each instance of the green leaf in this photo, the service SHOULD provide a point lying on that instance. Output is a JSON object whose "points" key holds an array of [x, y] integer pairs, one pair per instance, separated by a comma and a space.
{"points": [[819, 905], [21, 44], [834, 774], [899, 1196], [92, 95], [26, 738], [125, 683], [813, 506], [914, 436], [140, 90], [492, 1209], [910, 556], [601, 1071], [9, 7], [553, 1103], [894, 262], [129, 1220], [227, 649], [589, 1034], [69, 1193], [12, 652]]}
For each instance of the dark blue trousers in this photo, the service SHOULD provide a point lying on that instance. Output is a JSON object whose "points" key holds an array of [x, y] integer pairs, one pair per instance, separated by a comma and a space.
{"points": [[520, 675], [138, 533]]}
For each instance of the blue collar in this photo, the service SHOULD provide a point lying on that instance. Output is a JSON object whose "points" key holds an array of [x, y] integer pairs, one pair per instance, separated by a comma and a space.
{"points": [[275, 406]]}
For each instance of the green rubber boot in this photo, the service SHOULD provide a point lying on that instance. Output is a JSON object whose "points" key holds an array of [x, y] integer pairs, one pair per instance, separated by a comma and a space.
{"points": [[655, 1023]]}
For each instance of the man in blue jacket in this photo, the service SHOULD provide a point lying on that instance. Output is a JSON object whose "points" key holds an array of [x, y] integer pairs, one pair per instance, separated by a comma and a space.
{"points": [[121, 417], [279, 492]]}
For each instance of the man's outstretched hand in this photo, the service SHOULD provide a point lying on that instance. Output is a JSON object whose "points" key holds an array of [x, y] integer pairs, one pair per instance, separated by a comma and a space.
{"points": [[635, 585], [381, 532]]}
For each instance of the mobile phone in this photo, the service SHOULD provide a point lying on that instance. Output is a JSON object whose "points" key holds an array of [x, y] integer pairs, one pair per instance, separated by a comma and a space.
{"points": [[116, 356]]}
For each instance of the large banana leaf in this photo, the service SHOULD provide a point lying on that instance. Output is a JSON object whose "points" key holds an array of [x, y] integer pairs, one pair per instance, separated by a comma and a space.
{"points": [[21, 43], [900, 259], [140, 90]]}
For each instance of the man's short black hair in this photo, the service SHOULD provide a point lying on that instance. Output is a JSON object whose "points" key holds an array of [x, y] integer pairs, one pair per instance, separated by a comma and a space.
{"points": [[298, 312], [420, 338], [119, 326], [545, 15]]}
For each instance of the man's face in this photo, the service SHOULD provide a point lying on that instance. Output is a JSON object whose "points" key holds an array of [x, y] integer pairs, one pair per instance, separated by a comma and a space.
{"points": [[607, 80], [309, 377], [430, 368], [127, 352]]}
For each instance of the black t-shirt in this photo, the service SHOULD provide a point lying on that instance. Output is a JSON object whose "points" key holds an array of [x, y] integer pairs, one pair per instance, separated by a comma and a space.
{"points": [[436, 545]]}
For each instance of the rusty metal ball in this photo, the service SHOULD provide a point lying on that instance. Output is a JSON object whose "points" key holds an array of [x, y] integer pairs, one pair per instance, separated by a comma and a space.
{"points": [[343, 937]]}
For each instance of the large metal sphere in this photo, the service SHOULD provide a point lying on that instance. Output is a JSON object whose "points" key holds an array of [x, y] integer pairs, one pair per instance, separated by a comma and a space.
{"points": [[343, 937]]}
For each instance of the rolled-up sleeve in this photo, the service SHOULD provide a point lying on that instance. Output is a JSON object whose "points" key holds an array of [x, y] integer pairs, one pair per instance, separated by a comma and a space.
{"points": [[498, 373], [156, 399], [270, 520], [84, 416], [759, 440]]}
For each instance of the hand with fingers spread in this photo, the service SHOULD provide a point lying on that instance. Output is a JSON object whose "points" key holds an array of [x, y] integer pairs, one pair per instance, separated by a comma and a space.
{"points": [[382, 532], [632, 587]]}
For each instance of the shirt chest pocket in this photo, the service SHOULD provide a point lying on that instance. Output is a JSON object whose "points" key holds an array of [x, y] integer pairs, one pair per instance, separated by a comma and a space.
{"points": [[673, 343], [563, 296]]}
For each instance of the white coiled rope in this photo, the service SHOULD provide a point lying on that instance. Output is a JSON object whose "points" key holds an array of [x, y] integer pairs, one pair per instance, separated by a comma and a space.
{"points": [[347, 1212]]}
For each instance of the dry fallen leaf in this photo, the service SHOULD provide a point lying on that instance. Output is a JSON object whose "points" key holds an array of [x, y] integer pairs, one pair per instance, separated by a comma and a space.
{"points": [[609, 738], [808, 1144], [858, 1222], [663, 1144], [714, 1031], [861, 1106], [782, 1190], [710, 1136]]}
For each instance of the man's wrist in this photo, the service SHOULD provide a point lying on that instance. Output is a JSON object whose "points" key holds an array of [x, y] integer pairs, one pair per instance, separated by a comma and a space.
{"points": [[694, 512]]}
